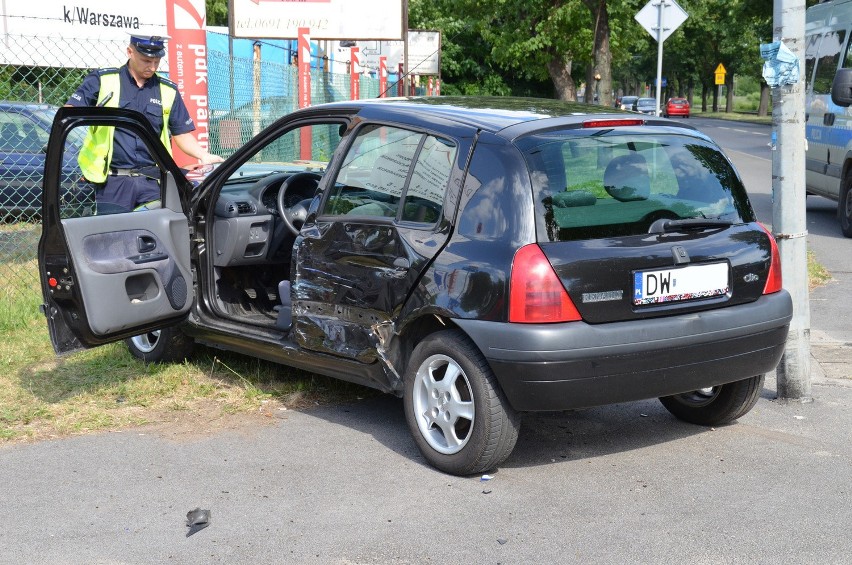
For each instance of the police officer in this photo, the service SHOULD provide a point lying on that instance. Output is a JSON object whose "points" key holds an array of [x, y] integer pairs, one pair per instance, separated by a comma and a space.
{"points": [[115, 160]]}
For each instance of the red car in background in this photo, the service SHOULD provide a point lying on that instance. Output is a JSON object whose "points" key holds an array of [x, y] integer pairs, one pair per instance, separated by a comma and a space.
{"points": [[676, 107]]}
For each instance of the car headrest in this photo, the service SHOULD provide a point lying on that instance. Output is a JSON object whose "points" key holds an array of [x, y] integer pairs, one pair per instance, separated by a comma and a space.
{"points": [[626, 178]]}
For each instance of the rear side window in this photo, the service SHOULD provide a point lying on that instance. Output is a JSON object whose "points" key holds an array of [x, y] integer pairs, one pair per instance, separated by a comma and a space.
{"points": [[607, 185], [393, 173]]}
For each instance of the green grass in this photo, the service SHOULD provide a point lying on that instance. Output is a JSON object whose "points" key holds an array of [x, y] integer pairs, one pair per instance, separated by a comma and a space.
{"points": [[734, 116], [44, 396], [817, 274]]}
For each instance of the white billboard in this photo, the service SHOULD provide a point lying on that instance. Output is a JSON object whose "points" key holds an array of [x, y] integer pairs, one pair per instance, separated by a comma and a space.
{"points": [[74, 31], [424, 53], [326, 19]]}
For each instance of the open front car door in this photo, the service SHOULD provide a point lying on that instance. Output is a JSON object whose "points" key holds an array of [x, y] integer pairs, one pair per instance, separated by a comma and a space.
{"points": [[108, 272]]}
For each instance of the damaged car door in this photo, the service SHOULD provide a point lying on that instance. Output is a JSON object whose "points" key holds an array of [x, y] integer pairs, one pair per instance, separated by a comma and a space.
{"points": [[383, 218]]}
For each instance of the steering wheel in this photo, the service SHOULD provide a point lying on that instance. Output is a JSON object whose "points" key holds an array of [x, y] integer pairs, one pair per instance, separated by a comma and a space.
{"points": [[301, 186]]}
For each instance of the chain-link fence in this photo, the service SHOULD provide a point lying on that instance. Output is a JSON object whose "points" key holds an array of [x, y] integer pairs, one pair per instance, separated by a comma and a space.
{"points": [[245, 95]]}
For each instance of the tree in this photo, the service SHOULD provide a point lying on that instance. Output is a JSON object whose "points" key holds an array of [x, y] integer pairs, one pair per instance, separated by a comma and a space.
{"points": [[217, 12], [527, 41], [599, 75]]}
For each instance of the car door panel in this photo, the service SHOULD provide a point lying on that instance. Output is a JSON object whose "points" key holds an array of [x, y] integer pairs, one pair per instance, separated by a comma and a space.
{"points": [[130, 275], [359, 273], [110, 276]]}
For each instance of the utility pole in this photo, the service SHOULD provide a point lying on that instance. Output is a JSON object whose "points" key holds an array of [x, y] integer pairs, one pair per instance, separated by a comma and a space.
{"points": [[788, 210]]}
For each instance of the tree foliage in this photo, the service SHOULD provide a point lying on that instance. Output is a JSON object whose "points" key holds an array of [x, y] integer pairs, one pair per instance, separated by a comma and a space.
{"points": [[553, 47], [217, 12]]}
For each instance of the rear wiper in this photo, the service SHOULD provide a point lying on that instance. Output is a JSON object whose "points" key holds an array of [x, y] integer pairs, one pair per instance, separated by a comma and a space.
{"points": [[664, 225]]}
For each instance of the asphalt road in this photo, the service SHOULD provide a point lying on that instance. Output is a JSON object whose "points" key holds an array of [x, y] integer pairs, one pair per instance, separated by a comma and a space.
{"points": [[345, 484]]}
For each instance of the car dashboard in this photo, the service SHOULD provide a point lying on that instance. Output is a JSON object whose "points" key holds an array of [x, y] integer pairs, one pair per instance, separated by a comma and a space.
{"points": [[246, 220]]}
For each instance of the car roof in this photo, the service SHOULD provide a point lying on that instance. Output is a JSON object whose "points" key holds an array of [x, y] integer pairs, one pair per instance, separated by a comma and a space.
{"points": [[27, 107], [502, 115]]}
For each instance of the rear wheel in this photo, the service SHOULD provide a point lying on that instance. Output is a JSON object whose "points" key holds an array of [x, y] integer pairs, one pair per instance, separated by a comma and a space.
{"points": [[717, 405], [161, 346], [844, 207], [459, 417]]}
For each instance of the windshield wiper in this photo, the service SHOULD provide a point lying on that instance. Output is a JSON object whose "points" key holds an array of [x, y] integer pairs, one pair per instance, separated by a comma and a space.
{"points": [[664, 225]]}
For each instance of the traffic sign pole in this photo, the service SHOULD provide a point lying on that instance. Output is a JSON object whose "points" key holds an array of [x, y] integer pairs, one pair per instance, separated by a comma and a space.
{"points": [[660, 11], [660, 18]]}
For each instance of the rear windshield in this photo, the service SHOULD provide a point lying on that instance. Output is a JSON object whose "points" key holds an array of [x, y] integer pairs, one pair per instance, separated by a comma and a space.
{"points": [[590, 184]]}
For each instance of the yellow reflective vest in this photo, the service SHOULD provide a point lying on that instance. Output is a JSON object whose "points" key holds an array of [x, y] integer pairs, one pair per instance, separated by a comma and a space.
{"points": [[96, 153]]}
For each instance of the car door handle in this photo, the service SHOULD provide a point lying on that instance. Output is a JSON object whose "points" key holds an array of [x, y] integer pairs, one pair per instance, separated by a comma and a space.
{"points": [[828, 119], [145, 243]]}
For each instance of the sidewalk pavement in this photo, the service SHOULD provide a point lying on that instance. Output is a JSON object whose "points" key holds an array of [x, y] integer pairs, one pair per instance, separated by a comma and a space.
{"points": [[831, 328]]}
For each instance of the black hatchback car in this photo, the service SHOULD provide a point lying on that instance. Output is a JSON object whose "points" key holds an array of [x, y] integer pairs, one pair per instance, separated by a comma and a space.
{"points": [[478, 257]]}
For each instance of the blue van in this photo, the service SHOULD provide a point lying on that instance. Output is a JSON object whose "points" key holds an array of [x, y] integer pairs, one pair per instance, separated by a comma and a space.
{"points": [[828, 167]]}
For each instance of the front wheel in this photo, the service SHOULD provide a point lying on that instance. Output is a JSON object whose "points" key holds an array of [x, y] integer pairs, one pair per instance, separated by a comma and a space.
{"points": [[844, 207], [161, 346], [459, 417], [717, 405]]}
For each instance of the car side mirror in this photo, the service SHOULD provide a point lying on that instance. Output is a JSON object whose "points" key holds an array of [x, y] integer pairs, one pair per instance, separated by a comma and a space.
{"points": [[841, 88]]}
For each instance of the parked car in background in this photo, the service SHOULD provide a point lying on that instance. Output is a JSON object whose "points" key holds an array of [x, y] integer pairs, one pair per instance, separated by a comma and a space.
{"points": [[479, 257], [646, 106], [24, 131], [627, 102], [676, 107]]}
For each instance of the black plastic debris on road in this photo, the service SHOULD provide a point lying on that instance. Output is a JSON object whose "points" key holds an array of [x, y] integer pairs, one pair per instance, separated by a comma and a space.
{"points": [[197, 520]]}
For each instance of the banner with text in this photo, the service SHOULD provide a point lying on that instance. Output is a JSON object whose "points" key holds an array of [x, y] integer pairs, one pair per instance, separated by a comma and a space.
{"points": [[327, 19], [76, 22], [187, 49]]}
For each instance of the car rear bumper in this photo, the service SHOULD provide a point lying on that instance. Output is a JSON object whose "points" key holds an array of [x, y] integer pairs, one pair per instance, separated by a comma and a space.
{"points": [[577, 365]]}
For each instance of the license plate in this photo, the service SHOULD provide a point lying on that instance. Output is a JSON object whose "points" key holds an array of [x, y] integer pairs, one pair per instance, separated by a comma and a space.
{"points": [[682, 283]]}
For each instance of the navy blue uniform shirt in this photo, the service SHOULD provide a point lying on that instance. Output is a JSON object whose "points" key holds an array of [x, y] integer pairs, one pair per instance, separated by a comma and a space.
{"points": [[128, 150]]}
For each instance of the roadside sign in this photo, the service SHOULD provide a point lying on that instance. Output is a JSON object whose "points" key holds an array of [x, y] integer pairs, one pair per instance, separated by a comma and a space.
{"points": [[720, 73], [661, 18]]}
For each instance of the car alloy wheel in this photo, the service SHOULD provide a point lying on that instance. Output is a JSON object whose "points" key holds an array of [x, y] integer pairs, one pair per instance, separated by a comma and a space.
{"points": [[456, 412], [442, 400], [717, 405], [147, 342], [161, 346]]}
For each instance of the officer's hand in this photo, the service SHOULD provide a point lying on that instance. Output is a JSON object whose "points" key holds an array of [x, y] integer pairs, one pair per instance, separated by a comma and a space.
{"points": [[209, 159]]}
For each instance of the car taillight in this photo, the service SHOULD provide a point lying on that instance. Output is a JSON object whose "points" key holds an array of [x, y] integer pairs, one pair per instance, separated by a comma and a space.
{"points": [[536, 294], [773, 280]]}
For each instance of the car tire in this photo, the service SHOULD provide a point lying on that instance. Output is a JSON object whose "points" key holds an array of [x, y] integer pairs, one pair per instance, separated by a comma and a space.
{"points": [[718, 405], [455, 409], [844, 207], [167, 345]]}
